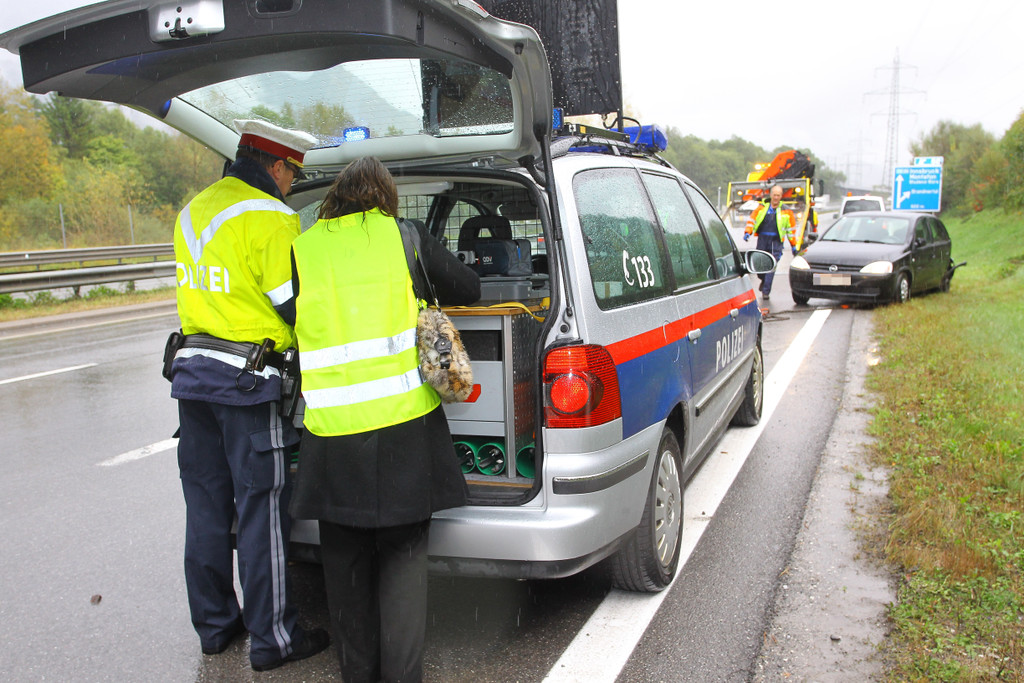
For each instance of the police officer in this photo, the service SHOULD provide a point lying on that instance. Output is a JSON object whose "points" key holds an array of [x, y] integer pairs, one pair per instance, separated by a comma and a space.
{"points": [[232, 247], [773, 226]]}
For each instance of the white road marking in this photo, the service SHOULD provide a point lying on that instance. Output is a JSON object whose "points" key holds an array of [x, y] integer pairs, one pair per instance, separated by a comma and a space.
{"points": [[604, 644], [139, 453], [44, 374]]}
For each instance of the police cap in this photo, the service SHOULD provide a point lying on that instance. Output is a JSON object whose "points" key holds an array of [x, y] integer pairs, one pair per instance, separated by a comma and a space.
{"points": [[283, 143]]}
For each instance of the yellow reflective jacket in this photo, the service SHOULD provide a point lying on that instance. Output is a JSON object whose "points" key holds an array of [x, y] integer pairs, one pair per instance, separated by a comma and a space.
{"points": [[232, 244], [784, 220], [355, 317]]}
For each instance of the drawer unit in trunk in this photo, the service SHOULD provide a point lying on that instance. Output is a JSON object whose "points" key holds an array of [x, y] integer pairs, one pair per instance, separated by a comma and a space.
{"points": [[502, 408]]}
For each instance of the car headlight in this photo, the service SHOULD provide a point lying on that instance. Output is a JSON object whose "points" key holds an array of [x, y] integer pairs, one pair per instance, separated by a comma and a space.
{"points": [[800, 263], [878, 268]]}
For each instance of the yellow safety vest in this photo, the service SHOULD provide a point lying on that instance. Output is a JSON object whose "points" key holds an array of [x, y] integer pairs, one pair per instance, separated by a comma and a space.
{"points": [[784, 221], [232, 245], [355, 317]]}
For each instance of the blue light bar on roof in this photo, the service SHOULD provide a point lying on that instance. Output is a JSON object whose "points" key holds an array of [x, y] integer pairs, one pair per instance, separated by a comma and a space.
{"points": [[556, 118], [650, 137], [355, 134]]}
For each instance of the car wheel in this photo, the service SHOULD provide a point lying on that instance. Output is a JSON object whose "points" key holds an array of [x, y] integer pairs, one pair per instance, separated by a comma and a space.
{"points": [[901, 293], [800, 300], [648, 560], [947, 277], [749, 413]]}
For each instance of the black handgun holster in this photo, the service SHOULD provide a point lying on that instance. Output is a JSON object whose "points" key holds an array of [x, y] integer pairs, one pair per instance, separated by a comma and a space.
{"points": [[174, 342]]}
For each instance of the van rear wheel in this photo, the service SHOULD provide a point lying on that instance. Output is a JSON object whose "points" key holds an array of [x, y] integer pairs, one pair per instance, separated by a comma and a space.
{"points": [[648, 560]]}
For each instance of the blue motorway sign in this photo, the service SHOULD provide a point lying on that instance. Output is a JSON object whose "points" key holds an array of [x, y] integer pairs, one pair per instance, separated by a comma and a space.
{"points": [[917, 188]]}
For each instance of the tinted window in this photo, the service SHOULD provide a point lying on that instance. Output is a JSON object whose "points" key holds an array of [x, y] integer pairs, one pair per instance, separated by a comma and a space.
{"points": [[388, 96], [921, 230], [722, 248], [684, 240], [862, 205], [624, 249], [938, 230]]}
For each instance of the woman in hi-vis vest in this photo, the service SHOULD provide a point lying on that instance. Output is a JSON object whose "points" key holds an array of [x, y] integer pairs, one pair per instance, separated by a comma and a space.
{"points": [[376, 458]]}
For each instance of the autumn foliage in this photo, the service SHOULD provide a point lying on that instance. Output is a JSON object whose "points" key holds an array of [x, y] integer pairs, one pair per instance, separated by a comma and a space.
{"points": [[81, 174]]}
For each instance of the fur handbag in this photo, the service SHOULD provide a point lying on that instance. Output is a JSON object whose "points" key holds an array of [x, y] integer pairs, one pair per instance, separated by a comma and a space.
{"points": [[444, 363]]}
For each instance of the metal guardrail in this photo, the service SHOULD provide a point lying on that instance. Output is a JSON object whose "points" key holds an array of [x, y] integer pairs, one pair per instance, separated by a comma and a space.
{"points": [[19, 259], [37, 279]]}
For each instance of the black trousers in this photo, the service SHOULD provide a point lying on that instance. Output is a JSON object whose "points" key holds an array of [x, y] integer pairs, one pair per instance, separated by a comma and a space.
{"points": [[376, 582]]}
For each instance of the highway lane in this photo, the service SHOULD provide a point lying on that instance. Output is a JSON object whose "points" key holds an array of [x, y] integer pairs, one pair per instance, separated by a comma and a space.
{"points": [[76, 529]]}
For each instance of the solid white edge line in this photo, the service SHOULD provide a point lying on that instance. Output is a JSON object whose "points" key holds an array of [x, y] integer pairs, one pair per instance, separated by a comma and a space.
{"points": [[139, 453], [604, 644], [44, 374]]}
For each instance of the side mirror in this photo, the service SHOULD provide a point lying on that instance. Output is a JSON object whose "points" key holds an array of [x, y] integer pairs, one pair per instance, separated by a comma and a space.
{"points": [[757, 262], [810, 237]]}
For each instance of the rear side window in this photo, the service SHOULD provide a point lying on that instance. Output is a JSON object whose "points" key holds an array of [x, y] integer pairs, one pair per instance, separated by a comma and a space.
{"points": [[687, 251], [862, 205], [939, 230], [624, 248], [722, 248]]}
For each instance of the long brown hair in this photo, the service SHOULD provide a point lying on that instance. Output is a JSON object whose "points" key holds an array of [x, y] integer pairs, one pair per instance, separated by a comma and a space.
{"points": [[363, 185]]}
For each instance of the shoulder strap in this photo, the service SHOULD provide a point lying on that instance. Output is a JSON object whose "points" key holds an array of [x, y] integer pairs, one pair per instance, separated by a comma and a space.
{"points": [[413, 247]]}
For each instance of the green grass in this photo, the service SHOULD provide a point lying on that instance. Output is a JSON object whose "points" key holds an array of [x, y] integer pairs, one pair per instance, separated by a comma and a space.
{"points": [[949, 425]]}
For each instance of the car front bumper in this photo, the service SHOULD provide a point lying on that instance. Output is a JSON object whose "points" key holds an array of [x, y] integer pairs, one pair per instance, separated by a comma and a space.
{"points": [[860, 286]]}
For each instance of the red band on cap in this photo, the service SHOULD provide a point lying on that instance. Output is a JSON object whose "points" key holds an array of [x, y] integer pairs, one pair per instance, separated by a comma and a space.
{"points": [[270, 147]]}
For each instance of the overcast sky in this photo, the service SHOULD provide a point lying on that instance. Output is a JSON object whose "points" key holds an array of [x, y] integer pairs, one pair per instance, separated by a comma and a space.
{"points": [[819, 77]]}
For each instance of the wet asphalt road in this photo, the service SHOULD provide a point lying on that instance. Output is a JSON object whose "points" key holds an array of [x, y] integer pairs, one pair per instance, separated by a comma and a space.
{"points": [[92, 568]]}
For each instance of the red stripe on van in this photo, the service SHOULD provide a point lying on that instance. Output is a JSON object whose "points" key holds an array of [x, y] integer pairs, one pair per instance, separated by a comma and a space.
{"points": [[670, 333]]}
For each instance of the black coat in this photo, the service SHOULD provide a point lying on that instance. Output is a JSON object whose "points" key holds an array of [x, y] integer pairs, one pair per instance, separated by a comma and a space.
{"points": [[395, 475]]}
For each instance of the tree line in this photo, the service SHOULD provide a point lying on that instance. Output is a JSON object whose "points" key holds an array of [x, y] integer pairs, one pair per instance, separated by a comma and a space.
{"points": [[980, 171], [714, 164], [82, 174]]}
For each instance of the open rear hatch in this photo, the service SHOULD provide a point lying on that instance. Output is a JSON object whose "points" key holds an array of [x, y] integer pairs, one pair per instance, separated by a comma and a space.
{"points": [[419, 81]]}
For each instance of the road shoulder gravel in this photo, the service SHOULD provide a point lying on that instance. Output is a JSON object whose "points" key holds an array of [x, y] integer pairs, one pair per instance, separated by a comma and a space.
{"points": [[830, 616]]}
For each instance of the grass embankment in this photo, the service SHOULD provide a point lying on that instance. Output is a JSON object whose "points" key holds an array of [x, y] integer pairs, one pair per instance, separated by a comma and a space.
{"points": [[950, 425], [45, 303]]}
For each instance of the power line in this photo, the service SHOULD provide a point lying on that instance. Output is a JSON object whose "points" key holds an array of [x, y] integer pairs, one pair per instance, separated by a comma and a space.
{"points": [[893, 128]]}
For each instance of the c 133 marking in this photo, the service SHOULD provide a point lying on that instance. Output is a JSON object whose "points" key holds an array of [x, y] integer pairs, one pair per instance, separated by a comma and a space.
{"points": [[642, 266]]}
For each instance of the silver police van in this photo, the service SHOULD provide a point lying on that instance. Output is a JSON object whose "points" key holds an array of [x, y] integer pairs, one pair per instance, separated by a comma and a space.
{"points": [[618, 335]]}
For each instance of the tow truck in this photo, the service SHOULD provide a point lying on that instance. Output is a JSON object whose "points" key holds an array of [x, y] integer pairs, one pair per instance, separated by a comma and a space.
{"points": [[794, 172]]}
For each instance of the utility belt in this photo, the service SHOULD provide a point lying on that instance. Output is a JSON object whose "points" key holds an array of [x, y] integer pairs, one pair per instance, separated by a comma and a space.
{"points": [[257, 357]]}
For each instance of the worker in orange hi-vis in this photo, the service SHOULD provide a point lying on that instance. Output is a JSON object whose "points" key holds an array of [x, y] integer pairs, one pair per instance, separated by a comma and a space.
{"points": [[774, 226]]}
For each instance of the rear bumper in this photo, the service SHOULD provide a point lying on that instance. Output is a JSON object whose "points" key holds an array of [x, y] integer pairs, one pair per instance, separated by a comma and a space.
{"points": [[552, 536]]}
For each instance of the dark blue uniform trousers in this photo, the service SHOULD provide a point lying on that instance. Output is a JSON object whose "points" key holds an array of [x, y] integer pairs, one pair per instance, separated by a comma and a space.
{"points": [[773, 245], [235, 459]]}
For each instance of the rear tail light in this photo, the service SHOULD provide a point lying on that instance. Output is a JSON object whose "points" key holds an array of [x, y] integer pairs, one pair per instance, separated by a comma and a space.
{"points": [[581, 388]]}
